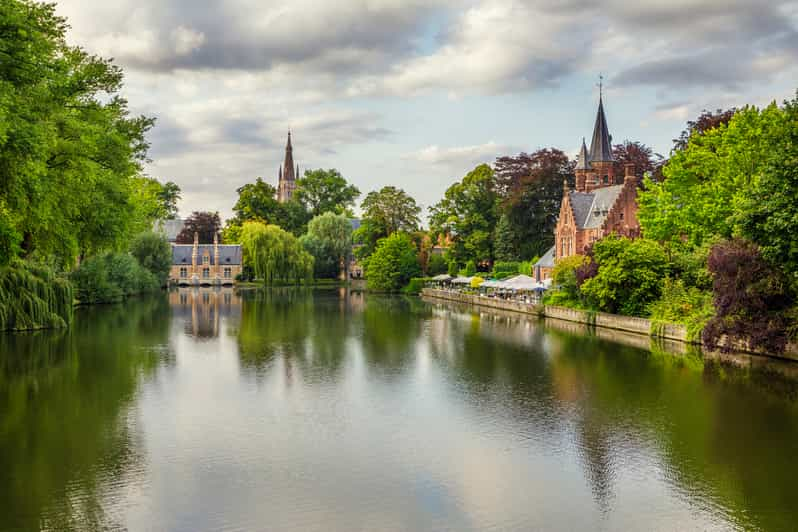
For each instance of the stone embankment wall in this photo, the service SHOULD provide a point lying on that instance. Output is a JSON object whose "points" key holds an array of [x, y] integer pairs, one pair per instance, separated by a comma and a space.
{"points": [[667, 331]]}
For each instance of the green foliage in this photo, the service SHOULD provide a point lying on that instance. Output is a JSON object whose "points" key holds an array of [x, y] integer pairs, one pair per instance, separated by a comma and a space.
{"points": [[564, 278], [392, 264], [685, 305], [768, 212], [322, 191], [70, 151], [526, 267], [707, 184], [10, 237], [437, 265], [415, 285], [468, 212], [329, 240], [257, 202], [31, 297], [630, 275], [111, 277], [275, 255], [385, 212], [504, 269], [153, 252], [453, 268], [470, 269]]}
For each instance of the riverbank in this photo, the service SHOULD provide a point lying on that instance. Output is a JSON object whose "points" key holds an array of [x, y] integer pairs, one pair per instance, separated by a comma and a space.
{"points": [[629, 324]]}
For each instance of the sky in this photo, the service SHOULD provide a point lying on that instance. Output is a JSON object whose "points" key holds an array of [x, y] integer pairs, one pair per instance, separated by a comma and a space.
{"points": [[415, 93]]}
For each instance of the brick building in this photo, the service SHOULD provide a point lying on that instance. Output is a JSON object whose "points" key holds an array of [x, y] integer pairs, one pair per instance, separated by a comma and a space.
{"points": [[205, 264], [287, 175], [601, 204]]}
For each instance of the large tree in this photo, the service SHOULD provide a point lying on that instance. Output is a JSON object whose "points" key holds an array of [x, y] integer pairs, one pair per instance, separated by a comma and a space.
{"points": [[385, 212], [706, 121], [393, 263], [69, 148], [323, 191], [205, 224], [531, 186], [258, 202], [468, 214], [638, 154], [275, 255], [329, 240]]}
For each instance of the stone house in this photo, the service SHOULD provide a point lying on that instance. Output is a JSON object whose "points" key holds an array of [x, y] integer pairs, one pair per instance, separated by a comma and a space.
{"points": [[205, 264]]}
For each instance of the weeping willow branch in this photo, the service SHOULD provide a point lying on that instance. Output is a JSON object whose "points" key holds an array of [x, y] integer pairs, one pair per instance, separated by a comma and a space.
{"points": [[33, 298]]}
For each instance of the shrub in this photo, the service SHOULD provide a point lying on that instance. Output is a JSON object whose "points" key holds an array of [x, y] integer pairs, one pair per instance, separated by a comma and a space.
{"points": [[685, 305], [415, 285], [505, 269], [112, 277], [752, 299], [453, 269], [392, 264], [629, 278], [470, 268], [31, 297], [154, 253], [437, 265]]}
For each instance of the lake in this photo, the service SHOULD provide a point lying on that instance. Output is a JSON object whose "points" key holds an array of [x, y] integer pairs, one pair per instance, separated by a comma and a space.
{"points": [[333, 410]]}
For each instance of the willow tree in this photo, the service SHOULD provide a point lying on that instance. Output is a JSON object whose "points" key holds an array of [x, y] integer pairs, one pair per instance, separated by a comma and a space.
{"points": [[275, 255]]}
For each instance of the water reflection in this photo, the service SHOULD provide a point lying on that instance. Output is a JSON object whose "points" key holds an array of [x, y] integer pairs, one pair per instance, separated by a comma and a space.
{"points": [[336, 410]]}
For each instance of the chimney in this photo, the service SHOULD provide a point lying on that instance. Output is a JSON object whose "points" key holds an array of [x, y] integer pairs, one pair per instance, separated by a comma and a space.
{"points": [[629, 173]]}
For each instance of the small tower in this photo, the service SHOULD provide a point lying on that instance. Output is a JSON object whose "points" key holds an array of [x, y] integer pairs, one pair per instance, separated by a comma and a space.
{"points": [[600, 155], [287, 178], [582, 168]]}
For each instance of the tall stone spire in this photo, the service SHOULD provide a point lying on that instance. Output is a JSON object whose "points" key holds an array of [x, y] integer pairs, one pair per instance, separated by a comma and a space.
{"points": [[287, 178], [601, 144]]}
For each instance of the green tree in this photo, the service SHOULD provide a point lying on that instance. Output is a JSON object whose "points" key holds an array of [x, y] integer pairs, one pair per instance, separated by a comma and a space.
{"points": [[323, 191], [168, 197], [329, 240], [391, 209], [275, 255], [258, 202], [768, 211], [69, 149], [437, 265], [393, 263], [468, 213], [707, 183], [630, 275], [154, 253]]}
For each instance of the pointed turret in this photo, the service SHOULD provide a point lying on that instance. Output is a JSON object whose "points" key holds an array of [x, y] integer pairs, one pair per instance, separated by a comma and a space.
{"points": [[288, 165], [583, 159], [601, 144]]}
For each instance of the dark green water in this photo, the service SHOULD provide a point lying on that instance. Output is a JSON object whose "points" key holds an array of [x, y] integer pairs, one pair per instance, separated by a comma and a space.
{"points": [[333, 411]]}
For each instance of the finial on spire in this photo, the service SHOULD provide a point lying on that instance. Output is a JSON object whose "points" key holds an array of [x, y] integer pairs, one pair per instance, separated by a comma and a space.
{"points": [[601, 85]]}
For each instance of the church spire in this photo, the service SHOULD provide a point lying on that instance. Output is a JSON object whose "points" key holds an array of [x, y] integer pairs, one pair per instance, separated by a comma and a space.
{"points": [[601, 144], [583, 159], [288, 165]]}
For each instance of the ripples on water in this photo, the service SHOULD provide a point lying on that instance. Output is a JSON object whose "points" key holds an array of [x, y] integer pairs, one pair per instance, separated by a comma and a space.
{"points": [[330, 410]]}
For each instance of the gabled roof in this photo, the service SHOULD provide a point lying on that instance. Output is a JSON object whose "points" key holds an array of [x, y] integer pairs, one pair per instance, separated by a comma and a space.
{"points": [[591, 208], [601, 144], [228, 254], [547, 260]]}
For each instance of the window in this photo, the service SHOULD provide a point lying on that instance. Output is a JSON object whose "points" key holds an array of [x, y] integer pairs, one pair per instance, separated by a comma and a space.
{"points": [[183, 273], [206, 273], [228, 272], [620, 216], [606, 179], [206, 259]]}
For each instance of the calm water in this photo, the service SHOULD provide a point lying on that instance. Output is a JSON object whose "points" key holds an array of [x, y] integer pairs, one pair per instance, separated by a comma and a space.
{"points": [[334, 411]]}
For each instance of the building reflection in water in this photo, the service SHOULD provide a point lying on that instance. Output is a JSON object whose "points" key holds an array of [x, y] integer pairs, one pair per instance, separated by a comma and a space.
{"points": [[202, 309]]}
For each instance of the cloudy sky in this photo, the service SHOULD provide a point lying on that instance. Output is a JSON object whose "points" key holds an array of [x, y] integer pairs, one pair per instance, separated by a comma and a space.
{"points": [[414, 93]]}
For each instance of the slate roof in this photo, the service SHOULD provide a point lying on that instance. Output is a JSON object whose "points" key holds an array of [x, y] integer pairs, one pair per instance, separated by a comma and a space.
{"points": [[547, 260], [228, 254], [601, 145], [355, 222], [591, 208], [583, 159]]}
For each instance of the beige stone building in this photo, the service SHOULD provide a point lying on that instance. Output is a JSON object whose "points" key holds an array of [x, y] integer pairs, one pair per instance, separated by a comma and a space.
{"points": [[205, 264]]}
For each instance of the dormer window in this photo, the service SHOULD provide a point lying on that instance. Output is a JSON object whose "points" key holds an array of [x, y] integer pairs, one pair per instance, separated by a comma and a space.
{"points": [[206, 259]]}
